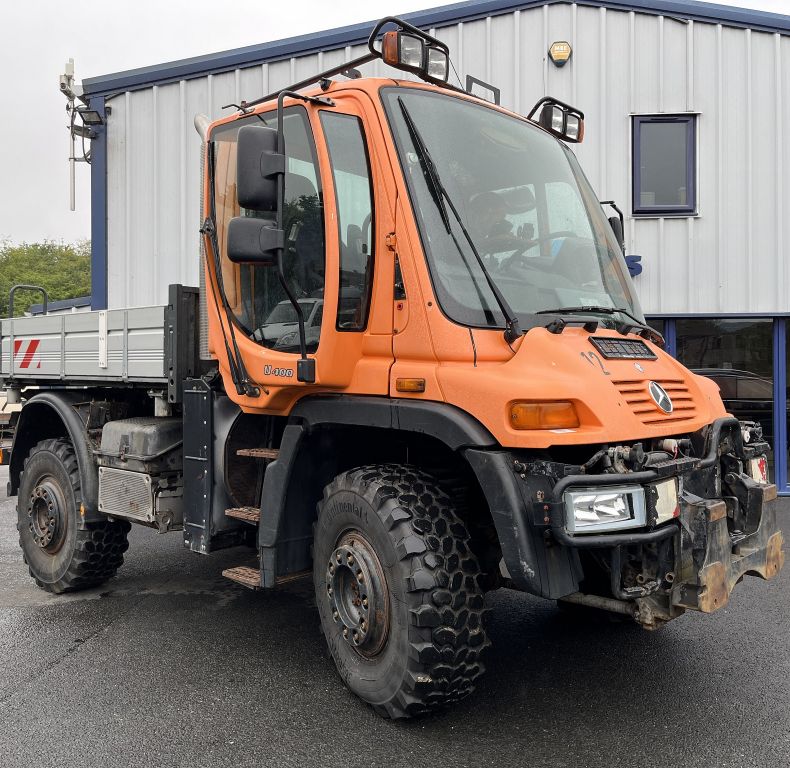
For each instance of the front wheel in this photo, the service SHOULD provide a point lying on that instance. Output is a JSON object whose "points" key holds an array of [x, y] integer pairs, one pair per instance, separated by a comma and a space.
{"points": [[398, 590]]}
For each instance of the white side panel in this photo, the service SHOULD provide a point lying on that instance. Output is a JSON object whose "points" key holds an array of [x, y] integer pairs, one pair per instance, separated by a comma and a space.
{"points": [[730, 258], [112, 345]]}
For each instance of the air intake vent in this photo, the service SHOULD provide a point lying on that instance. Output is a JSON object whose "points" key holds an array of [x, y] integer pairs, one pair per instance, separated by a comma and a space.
{"points": [[636, 393]]}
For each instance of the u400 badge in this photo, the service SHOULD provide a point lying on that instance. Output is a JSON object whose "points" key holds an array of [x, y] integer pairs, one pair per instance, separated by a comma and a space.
{"points": [[268, 370]]}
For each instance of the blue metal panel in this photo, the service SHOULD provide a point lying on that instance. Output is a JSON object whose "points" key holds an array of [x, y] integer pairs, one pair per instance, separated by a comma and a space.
{"points": [[780, 405], [434, 17], [99, 210], [61, 304]]}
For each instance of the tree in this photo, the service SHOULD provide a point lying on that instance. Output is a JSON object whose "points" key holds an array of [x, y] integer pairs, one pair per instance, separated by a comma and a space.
{"points": [[63, 270]]}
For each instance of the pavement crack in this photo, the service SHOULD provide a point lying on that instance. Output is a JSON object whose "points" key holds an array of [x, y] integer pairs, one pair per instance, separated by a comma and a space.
{"points": [[76, 645]]}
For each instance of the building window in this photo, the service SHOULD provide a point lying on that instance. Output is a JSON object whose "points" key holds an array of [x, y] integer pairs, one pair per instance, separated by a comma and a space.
{"points": [[664, 172]]}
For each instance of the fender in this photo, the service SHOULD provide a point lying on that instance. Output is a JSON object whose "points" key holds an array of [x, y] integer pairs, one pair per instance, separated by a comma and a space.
{"points": [[284, 491], [453, 426], [52, 414]]}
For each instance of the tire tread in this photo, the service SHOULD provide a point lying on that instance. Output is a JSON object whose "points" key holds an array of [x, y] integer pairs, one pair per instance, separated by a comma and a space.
{"points": [[443, 585]]}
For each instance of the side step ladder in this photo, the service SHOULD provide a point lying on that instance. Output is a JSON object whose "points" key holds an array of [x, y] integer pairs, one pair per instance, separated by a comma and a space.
{"points": [[243, 574], [251, 577], [247, 514]]}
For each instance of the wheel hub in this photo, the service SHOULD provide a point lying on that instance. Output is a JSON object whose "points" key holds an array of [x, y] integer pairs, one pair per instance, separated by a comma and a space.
{"points": [[357, 594], [46, 518]]}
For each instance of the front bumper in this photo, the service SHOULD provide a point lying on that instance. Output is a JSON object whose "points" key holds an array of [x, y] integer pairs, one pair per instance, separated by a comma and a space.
{"points": [[711, 546], [726, 529]]}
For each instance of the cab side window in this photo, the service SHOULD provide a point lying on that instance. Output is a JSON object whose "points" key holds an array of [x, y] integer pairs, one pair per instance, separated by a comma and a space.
{"points": [[254, 293], [354, 194]]}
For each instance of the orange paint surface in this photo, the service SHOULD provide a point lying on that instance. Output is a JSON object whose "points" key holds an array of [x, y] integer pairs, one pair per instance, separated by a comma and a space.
{"points": [[412, 338]]}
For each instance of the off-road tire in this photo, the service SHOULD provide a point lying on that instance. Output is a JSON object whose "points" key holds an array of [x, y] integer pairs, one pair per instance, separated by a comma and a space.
{"points": [[76, 558], [431, 655]]}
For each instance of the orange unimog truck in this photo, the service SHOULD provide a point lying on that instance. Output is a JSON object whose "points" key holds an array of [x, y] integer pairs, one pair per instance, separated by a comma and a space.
{"points": [[430, 379]]}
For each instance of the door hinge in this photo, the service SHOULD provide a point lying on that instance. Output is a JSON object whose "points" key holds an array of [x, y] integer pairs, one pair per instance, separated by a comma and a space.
{"points": [[391, 241]]}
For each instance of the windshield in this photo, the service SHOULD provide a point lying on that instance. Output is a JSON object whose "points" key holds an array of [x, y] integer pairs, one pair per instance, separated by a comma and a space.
{"points": [[525, 203]]}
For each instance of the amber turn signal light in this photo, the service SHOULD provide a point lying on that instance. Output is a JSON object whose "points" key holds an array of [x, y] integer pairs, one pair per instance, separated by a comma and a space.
{"points": [[410, 385], [554, 415]]}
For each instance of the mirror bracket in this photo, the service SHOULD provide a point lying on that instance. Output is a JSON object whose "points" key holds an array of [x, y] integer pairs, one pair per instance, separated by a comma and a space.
{"points": [[254, 241], [272, 164], [621, 234]]}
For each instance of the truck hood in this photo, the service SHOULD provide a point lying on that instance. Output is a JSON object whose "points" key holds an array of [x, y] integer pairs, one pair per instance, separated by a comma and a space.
{"points": [[612, 397]]}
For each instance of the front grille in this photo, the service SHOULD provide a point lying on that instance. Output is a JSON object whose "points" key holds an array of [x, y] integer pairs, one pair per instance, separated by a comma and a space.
{"points": [[636, 394]]}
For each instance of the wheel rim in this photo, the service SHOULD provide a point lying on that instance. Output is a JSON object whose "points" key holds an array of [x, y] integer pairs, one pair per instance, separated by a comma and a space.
{"points": [[358, 596], [47, 518]]}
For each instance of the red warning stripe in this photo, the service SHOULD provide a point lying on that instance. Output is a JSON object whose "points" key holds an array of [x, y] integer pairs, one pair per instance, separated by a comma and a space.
{"points": [[29, 352]]}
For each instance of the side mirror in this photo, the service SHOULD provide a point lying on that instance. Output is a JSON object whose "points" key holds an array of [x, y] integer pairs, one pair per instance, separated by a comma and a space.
{"points": [[617, 228], [617, 223], [254, 241], [258, 164]]}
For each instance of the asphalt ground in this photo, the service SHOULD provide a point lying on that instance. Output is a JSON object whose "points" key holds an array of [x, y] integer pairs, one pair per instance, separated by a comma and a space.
{"points": [[170, 665]]}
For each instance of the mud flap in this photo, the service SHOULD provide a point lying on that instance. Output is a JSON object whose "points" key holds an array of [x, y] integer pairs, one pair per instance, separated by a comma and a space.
{"points": [[713, 561]]}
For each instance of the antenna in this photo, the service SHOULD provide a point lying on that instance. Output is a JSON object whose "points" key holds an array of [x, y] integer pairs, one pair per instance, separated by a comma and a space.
{"points": [[90, 119]]}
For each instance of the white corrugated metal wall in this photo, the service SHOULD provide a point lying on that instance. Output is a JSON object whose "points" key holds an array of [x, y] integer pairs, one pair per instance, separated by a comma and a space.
{"points": [[730, 258]]}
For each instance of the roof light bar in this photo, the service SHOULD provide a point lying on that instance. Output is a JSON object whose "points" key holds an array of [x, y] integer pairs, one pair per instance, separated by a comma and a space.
{"points": [[412, 50], [406, 47], [560, 119]]}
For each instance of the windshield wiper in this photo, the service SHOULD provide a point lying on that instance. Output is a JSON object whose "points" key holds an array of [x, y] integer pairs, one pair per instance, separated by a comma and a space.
{"points": [[440, 194], [645, 330]]}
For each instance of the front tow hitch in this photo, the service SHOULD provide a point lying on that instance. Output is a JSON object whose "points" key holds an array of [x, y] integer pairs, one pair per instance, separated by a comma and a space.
{"points": [[714, 560]]}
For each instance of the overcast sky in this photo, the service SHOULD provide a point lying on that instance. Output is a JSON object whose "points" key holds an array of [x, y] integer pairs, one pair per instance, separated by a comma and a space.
{"points": [[38, 36]]}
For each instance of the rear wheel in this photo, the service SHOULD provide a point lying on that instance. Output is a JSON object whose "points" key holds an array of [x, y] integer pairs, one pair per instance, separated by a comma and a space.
{"points": [[398, 590], [60, 555]]}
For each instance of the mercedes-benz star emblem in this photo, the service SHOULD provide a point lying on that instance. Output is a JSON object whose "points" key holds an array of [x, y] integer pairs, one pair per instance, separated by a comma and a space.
{"points": [[660, 397]]}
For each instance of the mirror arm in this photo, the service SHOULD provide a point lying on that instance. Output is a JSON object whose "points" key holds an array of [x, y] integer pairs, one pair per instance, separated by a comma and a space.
{"points": [[622, 218]]}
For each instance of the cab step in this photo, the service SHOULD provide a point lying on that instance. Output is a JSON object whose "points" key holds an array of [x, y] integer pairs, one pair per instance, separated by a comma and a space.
{"points": [[244, 575], [259, 453], [247, 514]]}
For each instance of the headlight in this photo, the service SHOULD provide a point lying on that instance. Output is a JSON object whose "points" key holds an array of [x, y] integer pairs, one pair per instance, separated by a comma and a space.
{"points": [[436, 66], [604, 509]]}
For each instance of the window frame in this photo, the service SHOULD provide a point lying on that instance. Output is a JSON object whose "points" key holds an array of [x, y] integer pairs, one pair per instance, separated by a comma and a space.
{"points": [[692, 175], [212, 140], [322, 114]]}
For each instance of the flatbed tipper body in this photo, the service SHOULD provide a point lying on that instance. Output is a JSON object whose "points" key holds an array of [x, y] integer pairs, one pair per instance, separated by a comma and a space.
{"points": [[109, 346], [416, 370]]}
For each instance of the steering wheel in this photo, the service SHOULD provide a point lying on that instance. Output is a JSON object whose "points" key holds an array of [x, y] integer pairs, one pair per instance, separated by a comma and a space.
{"points": [[517, 256]]}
